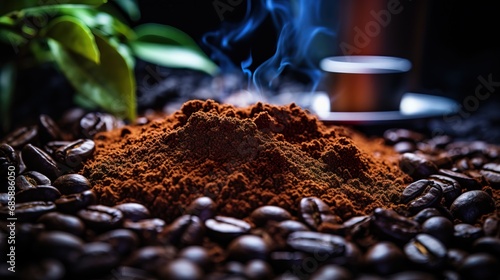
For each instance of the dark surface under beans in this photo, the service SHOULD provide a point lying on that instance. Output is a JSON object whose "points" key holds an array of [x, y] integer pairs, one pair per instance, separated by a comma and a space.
{"points": [[448, 229]]}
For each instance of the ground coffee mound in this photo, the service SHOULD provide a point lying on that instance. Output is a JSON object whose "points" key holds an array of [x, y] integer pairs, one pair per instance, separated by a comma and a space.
{"points": [[243, 158]]}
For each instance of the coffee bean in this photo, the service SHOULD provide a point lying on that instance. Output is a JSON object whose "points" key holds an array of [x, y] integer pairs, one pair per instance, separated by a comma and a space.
{"points": [[394, 226], [289, 226], [450, 187], [425, 214], [72, 183], [101, 217], [31, 179], [62, 222], [28, 211], [405, 147], [203, 207], [417, 166], [48, 130], [133, 211], [491, 226], [426, 251], [184, 231], [465, 234], [332, 272], [385, 258], [491, 172], [284, 260], [151, 258], [21, 136], [439, 227], [258, 270], [148, 229], [122, 241], [400, 134], [131, 273], [38, 160], [248, 247], [487, 244], [180, 269], [323, 244], [198, 255], [465, 181], [62, 246], [264, 214], [314, 211], [93, 123], [40, 193], [8, 157], [72, 203], [414, 189], [471, 205], [455, 257], [222, 228], [414, 275], [75, 153], [96, 259], [480, 266], [52, 146], [4, 198], [429, 198]]}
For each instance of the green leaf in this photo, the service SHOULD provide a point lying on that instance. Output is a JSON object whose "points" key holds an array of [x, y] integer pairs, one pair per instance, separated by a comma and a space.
{"points": [[110, 84], [164, 34], [130, 7], [173, 56], [74, 35], [16, 5], [7, 85]]}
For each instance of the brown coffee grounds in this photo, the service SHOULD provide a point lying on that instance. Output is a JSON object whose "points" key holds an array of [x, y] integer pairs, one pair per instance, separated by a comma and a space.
{"points": [[243, 158]]}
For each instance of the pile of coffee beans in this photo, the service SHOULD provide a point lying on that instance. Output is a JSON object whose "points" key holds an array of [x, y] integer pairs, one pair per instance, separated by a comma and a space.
{"points": [[57, 229]]}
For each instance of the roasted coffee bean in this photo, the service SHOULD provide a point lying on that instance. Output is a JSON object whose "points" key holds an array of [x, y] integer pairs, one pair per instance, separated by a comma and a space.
{"points": [[40, 193], [93, 123], [332, 272], [429, 198], [198, 255], [426, 251], [48, 130], [28, 211], [425, 214], [122, 241], [25, 239], [385, 258], [439, 227], [72, 183], [314, 212], [44, 269], [75, 153], [284, 260], [96, 259], [131, 273], [52, 146], [235, 269], [184, 231], [450, 187], [471, 205], [101, 217], [487, 244], [180, 269], [414, 275], [4, 198], [405, 147], [150, 258], [72, 203], [62, 246], [395, 135], [465, 181], [222, 228], [417, 166], [8, 157], [491, 226], [289, 226], [455, 257], [248, 247], [21, 136], [148, 229], [203, 207], [394, 226], [264, 214], [22, 167], [38, 160], [326, 245], [414, 190], [465, 234], [480, 266], [491, 171], [31, 179], [62, 222], [133, 211], [258, 270]]}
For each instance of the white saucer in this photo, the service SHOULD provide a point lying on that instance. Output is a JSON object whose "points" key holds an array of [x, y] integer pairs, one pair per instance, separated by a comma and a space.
{"points": [[413, 106]]}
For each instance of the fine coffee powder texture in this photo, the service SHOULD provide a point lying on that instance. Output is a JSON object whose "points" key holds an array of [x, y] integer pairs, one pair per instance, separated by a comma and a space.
{"points": [[243, 158]]}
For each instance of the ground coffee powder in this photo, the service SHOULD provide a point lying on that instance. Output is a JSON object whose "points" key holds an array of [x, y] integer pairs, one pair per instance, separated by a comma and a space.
{"points": [[243, 158]]}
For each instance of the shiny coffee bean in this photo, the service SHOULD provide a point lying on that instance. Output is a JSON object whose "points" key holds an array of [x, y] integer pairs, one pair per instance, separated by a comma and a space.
{"points": [[133, 211], [122, 241], [326, 245], [314, 212], [471, 205], [332, 272], [150, 258], [44, 269], [8, 157], [385, 258], [292, 225], [450, 187], [62, 246], [96, 259], [148, 229], [75, 153], [426, 251], [487, 244], [72, 183], [284, 260], [491, 226], [62, 222], [198, 255], [465, 234], [455, 257], [21, 136], [465, 181], [491, 171], [38, 160], [248, 247], [180, 269], [52, 146], [400, 134], [429, 198], [203, 207], [394, 226], [40, 193], [264, 214], [184, 231], [72, 203], [425, 214], [101, 217], [48, 130], [28, 211], [480, 266], [405, 147], [31, 179], [439, 227], [414, 190], [222, 228], [4, 198], [131, 273], [93, 123], [258, 270], [417, 166]]}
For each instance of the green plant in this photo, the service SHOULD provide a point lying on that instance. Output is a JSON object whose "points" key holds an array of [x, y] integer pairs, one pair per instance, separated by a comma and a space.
{"points": [[92, 47]]}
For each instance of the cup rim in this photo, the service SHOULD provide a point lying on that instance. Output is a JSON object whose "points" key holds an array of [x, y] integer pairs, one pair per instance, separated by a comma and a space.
{"points": [[365, 64]]}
